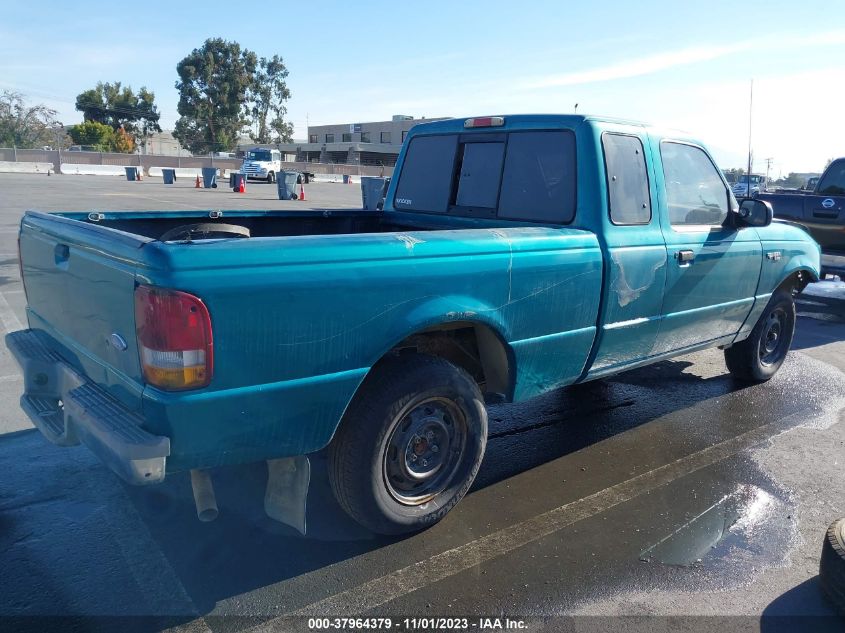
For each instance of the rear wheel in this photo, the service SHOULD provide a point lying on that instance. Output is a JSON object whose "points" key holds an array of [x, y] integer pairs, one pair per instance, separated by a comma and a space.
{"points": [[832, 565], [758, 358], [410, 444]]}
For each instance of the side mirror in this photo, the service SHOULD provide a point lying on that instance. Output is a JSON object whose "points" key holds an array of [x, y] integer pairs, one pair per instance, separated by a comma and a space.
{"points": [[754, 212]]}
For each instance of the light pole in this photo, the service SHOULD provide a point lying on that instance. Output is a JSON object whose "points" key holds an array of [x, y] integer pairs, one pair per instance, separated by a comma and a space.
{"points": [[59, 129], [750, 106]]}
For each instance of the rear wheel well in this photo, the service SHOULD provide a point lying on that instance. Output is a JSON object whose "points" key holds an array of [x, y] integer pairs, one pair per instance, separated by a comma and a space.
{"points": [[474, 347]]}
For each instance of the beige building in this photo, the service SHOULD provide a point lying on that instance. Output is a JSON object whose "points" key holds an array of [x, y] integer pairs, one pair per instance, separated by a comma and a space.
{"points": [[374, 143]]}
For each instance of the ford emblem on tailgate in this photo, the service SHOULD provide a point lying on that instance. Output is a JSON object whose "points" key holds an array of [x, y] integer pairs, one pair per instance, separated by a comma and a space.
{"points": [[118, 342], [828, 203]]}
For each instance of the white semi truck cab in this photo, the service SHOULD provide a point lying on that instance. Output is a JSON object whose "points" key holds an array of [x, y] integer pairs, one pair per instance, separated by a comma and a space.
{"points": [[262, 164]]}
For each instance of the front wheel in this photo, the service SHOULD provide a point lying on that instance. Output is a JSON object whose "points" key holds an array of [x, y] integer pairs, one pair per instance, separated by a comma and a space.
{"points": [[410, 444], [758, 358]]}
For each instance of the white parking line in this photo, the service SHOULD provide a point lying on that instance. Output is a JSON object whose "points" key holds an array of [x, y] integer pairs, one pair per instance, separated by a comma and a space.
{"points": [[148, 565], [374, 593], [10, 320], [11, 378]]}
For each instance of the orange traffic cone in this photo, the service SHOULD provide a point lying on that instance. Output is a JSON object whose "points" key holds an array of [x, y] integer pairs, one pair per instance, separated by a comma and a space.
{"points": [[138, 175], [301, 192], [197, 184], [242, 189]]}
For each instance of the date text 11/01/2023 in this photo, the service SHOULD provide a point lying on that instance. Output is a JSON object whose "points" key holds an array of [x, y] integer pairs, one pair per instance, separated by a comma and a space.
{"points": [[417, 624]]}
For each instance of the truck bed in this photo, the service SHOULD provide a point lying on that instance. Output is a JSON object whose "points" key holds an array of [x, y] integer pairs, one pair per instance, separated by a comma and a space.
{"points": [[302, 310]]}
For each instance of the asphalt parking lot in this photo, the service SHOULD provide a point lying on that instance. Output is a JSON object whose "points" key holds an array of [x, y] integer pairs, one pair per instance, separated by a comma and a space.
{"points": [[668, 491]]}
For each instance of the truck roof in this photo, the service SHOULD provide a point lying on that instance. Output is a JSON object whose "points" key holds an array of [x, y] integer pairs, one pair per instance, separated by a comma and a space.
{"points": [[530, 120], [545, 120]]}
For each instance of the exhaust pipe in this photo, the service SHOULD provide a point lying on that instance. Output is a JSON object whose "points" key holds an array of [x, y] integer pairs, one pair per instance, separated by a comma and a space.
{"points": [[204, 497]]}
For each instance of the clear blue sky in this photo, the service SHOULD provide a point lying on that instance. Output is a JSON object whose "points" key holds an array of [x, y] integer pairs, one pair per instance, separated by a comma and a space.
{"points": [[678, 64]]}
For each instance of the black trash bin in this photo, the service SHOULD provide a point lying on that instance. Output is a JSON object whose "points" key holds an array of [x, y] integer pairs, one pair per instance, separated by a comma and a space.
{"points": [[209, 177], [372, 192], [235, 179], [286, 182], [131, 173], [168, 175]]}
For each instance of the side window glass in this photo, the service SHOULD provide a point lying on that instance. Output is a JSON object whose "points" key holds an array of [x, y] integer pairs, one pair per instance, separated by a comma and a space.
{"points": [[627, 180], [695, 193], [834, 180]]}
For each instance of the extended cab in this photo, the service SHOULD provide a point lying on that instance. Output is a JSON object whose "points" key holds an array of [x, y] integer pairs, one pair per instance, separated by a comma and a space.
{"points": [[821, 211], [514, 255]]}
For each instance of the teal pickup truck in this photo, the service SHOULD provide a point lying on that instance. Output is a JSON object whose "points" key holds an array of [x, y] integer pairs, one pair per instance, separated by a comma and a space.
{"points": [[514, 255]]}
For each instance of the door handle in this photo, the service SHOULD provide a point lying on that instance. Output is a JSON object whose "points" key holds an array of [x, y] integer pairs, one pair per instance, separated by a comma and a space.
{"points": [[61, 253], [685, 257]]}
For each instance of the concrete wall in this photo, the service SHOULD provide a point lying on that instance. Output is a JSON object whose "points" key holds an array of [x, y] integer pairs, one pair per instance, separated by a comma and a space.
{"points": [[25, 168], [82, 169], [150, 161], [105, 158]]}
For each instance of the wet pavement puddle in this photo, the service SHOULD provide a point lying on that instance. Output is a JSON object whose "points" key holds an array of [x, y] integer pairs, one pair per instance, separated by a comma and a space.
{"points": [[738, 521]]}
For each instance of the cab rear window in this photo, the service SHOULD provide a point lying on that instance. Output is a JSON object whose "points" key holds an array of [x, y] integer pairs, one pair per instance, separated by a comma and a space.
{"points": [[427, 175], [527, 175]]}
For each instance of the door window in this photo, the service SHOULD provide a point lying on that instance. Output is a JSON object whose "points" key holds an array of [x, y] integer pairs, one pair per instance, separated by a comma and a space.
{"points": [[695, 193]]}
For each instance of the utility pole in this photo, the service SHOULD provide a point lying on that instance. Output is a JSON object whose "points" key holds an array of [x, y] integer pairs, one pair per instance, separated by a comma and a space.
{"points": [[768, 166]]}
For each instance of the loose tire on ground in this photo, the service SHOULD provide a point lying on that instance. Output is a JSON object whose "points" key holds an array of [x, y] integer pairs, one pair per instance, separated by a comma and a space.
{"points": [[832, 565], [409, 445], [758, 358]]}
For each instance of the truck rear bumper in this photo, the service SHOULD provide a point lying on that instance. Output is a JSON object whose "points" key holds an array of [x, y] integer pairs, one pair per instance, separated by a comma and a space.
{"points": [[68, 409]]}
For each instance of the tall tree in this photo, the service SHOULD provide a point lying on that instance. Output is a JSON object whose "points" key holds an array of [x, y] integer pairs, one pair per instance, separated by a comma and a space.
{"points": [[119, 107], [268, 95], [25, 126], [214, 81], [94, 133]]}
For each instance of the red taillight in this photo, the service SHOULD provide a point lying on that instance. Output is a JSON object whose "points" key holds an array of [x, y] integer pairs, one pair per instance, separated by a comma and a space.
{"points": [[174, 338], [485, 121]]}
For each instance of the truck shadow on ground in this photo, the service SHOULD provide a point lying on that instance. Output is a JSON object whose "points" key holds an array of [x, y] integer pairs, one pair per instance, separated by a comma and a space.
{"points": [[802, 608], [244, 550]]}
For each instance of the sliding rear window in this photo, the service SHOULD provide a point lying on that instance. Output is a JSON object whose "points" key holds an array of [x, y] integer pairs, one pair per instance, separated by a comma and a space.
{"points": [[526, 176]]}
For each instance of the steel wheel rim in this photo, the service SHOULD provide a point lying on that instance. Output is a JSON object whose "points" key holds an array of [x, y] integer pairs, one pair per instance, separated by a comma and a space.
{"points": [[774, 334], [424, 449]]}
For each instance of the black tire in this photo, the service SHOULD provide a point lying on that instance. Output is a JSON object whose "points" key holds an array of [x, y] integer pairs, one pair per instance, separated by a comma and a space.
{"points": [[832, 565], [420, 403], [271, 178], [758, 358], [204, 231]]}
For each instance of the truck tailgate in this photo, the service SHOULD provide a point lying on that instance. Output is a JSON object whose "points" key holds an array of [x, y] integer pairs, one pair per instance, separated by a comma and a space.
{"points": [[80, 291]]}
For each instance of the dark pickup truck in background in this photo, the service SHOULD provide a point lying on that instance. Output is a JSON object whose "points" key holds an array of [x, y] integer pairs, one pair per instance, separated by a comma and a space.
{"points": [[820, 211]]}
